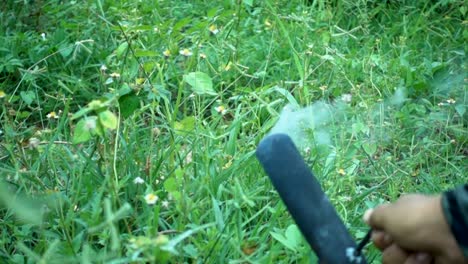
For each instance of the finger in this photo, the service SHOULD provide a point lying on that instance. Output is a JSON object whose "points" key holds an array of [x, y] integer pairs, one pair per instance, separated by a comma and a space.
{"points": [[394, 255], [419, 258], [381, 239], [378, 217]]}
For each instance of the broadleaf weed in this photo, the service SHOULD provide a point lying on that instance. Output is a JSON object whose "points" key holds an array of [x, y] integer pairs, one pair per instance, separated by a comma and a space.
{"points": [[128, 129]]}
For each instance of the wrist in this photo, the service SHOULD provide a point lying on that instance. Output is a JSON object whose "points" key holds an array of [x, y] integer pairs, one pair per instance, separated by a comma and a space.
{"points": [[454, 251], [429, 230]]}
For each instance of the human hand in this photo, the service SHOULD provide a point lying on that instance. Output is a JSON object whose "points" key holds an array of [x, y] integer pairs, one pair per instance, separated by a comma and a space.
{"points": [[413, 230]]}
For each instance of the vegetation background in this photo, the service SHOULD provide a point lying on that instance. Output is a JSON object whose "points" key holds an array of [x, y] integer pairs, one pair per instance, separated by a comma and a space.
{"points": [[128, 128]]}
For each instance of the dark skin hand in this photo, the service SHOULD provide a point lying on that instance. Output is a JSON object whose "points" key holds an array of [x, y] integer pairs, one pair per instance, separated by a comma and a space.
{"points": [[413, 230]]}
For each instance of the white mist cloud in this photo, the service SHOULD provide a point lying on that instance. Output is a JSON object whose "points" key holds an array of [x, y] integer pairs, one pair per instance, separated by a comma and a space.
{"points": [[302, 124], [398, 97], [316, 124]]}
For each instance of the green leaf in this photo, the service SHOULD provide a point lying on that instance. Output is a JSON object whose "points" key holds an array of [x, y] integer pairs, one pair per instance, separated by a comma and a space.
{"points": [[171, 245], [177, 195], [369, 148], [23, 114], [248, 2], [330, 161], [65, 51], [218, 214], [461, 109], [231, 145], [108, 119], [28, 97], [121, 49], [109, 81], [294, 236], [125, 89], [96, 104], [128, 104], [81, 113], [150, 66], [358, 127], [143, 27], [145, 53], [212, 12], [182, 23], [283, 240], [26, 210], [185, 126], [200, 82], [99, 130], [191, 250], [170, 185], [179, 173], [326, 37], [288, 96], [82, 131]]}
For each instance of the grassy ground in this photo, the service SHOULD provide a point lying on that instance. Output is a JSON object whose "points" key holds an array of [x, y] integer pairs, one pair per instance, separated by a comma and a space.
{"points": [[128, 128]]}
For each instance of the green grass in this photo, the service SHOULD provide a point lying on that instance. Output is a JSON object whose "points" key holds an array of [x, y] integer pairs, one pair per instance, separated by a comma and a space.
{"points": [[67, 190]]}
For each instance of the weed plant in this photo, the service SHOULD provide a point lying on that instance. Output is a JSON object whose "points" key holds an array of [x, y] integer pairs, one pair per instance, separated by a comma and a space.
{"points": [[128, 128]]}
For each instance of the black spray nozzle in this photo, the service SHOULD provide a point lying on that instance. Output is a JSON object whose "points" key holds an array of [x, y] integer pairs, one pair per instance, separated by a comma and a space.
{"points": [[307, 203]]}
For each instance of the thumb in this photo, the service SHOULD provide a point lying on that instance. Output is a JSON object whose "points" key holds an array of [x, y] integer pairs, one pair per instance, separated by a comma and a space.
{"points": [[378, 217]]}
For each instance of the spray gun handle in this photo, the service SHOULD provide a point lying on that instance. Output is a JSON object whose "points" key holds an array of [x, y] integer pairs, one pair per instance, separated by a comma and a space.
{"points": [[307, 203]]}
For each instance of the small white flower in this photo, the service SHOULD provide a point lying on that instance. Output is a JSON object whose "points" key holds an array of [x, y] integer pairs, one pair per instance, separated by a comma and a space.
{"points": [[228, 164], [52, 115], [346, 98], [156, 132], [213, 29], [151, 198], [167, 53], [228, 66], [43, 36], [188, 158], [115, 75], [34, 142], [165, 203], [341, 172], [347, 198], [186, 52], [451, 101], [221, 109], [138, 180], [103, 68]]}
